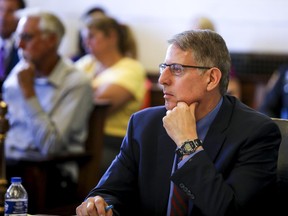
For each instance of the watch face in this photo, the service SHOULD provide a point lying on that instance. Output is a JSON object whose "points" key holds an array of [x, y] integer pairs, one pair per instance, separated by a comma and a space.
{"points": [[188, 147]]}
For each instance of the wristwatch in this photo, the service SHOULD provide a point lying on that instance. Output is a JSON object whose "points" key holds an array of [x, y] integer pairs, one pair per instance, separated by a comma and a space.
{"points": [[188, 147]]}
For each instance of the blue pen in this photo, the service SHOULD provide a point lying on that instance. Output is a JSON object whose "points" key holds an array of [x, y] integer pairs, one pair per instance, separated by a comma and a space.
{"points": [[108, 207]]}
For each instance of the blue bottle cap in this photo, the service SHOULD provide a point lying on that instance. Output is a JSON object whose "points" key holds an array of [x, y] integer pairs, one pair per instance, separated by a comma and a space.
{"points": [[16, 180]]}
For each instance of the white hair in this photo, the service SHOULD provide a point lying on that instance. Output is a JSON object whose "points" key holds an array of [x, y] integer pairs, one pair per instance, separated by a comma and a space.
{"points": [[48, 21]]}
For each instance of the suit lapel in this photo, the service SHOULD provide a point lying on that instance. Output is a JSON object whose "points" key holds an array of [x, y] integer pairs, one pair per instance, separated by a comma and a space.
{"points": [[216, 134]]}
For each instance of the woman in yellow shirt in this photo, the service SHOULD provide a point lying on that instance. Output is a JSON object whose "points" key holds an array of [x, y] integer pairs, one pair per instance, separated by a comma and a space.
{"points": [[116, 76]]}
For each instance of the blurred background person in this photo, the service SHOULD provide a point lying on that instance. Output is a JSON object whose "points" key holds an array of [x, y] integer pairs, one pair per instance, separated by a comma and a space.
{"points": [[275, 101], [88, 61], [202, 22], [93, 12], [8, 23], [117, 77], [234, 86], [49, 100]]}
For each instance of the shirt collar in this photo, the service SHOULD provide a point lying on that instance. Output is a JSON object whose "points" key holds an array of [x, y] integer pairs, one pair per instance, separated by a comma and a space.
{"points": [[57, 75], [204, 123]]}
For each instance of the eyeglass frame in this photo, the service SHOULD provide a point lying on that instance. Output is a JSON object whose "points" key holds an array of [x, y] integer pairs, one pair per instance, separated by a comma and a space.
{"points": [[182, 70], [27, 37]]}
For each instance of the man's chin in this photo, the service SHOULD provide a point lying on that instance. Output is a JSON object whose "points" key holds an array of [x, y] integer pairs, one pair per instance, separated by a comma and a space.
{"points": [[170, 105]]}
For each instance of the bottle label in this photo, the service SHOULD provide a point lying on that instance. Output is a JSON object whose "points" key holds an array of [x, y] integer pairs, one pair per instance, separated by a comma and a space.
{"points": [[17, 207]]}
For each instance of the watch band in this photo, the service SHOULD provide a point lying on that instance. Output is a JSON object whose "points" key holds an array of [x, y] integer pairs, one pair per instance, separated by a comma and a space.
{"points": [[188, 147]]}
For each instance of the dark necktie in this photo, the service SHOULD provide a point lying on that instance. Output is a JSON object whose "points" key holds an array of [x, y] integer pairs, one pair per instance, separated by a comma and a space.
{"points": [[179, 202], [2, 62]]}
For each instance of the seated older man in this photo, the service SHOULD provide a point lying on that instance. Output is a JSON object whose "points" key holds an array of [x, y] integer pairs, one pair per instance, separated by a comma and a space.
{"points": [[49, 100]]}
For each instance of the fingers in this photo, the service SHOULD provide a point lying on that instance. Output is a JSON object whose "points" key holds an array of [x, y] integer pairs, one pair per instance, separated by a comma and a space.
{"points": [[181, 104], [192, 107], [28, 65], [81, 210], [94, 206], [85, 209], [100, 204], [90, 206]]}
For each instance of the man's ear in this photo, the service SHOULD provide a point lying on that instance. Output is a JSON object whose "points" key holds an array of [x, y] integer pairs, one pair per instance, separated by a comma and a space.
{"points": [[214, 76]]}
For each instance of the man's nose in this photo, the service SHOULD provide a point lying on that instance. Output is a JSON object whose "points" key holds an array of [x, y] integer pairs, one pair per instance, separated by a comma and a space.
{"points": [[164, 76], [20, 43]]}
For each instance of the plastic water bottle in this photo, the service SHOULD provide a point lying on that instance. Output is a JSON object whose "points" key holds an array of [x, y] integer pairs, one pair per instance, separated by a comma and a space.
{"points": [[16, 198]]}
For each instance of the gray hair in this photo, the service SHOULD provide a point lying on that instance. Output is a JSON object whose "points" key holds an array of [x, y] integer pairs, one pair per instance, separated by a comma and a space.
{"points": [[49, 22], [209, 49]]}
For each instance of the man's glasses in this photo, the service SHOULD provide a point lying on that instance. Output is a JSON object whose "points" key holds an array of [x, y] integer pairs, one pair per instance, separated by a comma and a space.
{"points": [[178, 69], [25, 37]]}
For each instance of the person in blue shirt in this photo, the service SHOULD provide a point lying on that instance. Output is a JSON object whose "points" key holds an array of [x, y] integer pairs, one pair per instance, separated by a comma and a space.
{"points": [[49, 100], [228, 151]]}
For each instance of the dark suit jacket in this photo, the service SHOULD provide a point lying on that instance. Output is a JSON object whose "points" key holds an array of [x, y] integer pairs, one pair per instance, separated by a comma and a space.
{"points": [[11, 62], [235, 170]]}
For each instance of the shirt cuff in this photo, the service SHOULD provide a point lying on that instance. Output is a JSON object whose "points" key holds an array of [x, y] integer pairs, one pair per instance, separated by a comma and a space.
{"points": [[183, 161]]}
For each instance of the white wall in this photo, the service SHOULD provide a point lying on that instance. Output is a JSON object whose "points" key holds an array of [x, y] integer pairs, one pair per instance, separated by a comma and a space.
{"points": [[258, 26]]}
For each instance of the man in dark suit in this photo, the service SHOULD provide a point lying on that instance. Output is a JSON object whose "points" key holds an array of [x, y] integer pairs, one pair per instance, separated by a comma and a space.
{"points": [[8, 24], [228, 151]]}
